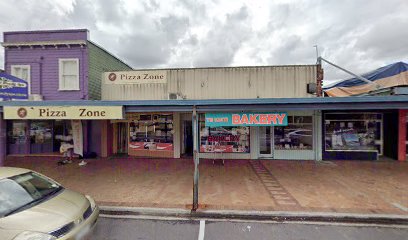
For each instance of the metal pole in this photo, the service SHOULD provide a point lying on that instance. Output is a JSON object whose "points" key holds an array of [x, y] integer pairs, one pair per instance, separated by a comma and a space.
{"points": [[196, 159], [319, 59]]}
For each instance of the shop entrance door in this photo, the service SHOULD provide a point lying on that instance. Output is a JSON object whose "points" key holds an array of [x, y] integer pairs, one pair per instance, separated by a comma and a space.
{"points": [[188, 138], [122, 137], [266, 142]]}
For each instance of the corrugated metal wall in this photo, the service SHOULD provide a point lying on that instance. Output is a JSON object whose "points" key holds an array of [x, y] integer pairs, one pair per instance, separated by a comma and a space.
{"points": [[220, 83]]}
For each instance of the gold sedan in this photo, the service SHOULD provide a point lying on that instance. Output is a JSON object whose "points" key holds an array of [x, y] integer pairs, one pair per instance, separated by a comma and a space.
{"points": [[34, 207]]}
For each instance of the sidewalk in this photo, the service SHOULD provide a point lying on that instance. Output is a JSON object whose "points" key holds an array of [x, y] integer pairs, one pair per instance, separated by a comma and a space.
{"points": [[266, 185]]}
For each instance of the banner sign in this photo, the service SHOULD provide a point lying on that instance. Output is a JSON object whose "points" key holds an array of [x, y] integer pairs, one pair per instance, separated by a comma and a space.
{"points": [[63, 112], [136, 77], [246, 119], [12, 87], [77, 137]]}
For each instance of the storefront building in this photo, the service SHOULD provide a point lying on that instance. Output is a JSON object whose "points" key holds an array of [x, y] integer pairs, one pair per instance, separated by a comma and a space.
{"points": [[311, 133], [58, 65], [154, 131], [156, 134], [267, 112]]}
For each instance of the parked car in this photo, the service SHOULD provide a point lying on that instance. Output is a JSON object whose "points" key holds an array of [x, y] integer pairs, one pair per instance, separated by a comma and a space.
{"points": [[34, 207]]}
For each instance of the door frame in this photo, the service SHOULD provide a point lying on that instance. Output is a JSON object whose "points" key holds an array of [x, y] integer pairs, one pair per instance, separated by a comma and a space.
{"points": [[272, 143]]}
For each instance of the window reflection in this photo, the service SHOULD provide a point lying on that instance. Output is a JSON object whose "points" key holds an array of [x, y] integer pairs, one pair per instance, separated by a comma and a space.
{"points": [[298, 135]]}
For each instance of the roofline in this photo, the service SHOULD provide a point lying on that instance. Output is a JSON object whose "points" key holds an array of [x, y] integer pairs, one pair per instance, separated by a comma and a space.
{"points": [[48, 31], [103, 49], [257, 66], [44, 43], [208, 102]]}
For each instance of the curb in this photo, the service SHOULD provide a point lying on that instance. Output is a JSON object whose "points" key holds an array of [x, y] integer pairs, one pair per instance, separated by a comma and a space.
{"points": [[276, 216]]}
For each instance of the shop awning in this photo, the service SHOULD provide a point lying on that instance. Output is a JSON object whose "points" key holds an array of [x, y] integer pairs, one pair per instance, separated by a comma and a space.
{"points": [[234, 105]]}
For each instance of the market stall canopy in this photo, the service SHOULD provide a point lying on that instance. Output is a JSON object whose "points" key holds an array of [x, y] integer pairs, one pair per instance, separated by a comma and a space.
{"points": [[392, 75], [12, 87]]}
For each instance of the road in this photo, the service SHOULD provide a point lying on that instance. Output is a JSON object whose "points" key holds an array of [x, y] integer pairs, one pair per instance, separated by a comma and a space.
{"points": [[141, 229]]}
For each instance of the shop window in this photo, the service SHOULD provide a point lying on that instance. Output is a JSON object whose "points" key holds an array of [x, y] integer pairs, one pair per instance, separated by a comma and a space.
{"points": [[151, 132], [40, 132], [353, 132], [224, 139], [16, 132], [68, 74], [298, 135]]}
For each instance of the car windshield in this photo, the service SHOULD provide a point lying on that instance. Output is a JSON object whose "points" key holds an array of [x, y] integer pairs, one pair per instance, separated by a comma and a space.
{"points": [[23, 191]]}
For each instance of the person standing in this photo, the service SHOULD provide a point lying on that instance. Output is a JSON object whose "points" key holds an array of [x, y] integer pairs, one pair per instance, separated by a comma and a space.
{"points": [[67, 150]]}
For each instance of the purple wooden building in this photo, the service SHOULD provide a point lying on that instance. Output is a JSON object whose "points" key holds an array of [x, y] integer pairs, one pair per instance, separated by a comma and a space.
{"points": [[58, 65]]}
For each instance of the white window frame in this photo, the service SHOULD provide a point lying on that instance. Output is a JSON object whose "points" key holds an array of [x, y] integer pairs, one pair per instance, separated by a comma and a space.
{"points": [[60, 64], [28, 67]]}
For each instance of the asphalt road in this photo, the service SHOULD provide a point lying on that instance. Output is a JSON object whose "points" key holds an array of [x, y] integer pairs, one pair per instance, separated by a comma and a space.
{"points": [[118, 229]]}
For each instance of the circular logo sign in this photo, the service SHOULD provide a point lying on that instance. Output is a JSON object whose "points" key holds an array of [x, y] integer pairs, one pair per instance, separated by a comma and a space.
{"points": [[22, 112], [112, 77]]}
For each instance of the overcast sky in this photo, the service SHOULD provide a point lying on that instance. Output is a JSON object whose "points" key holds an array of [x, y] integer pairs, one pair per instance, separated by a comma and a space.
{"points": [[358, 35]]}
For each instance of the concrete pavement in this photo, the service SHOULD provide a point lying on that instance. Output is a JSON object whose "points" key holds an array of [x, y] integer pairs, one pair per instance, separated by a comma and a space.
{"points": [[378, 187]]}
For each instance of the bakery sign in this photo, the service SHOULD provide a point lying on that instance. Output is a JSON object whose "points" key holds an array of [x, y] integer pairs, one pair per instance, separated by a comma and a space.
{"points": [[63, 112], [246, 119], [136, 77]]}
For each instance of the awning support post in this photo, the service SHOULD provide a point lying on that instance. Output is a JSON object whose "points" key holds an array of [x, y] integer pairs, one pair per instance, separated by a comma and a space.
{"points": [[196, 159]]}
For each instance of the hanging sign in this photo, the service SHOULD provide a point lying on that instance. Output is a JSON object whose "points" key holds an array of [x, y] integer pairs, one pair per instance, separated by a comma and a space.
{"points": [[63, 112], [12, 87], [246, 119]]}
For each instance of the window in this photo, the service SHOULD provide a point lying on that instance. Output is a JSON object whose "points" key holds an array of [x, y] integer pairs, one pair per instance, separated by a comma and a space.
{"points": [[22, 72], [151, 132], [68, 74], [298, 135], [16, 132], [353, 132], [24, 191], [40, 132], [223, 139]]}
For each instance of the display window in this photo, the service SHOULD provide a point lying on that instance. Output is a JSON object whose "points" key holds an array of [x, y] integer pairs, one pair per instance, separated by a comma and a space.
{"points": [[224, 139], [16, 132], [353, 132], [298, 135], [40, 132], [151, 132]]}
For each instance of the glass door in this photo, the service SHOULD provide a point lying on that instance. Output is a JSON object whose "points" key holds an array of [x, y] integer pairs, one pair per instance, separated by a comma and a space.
{"points": [[266, 142], [122, 136]]}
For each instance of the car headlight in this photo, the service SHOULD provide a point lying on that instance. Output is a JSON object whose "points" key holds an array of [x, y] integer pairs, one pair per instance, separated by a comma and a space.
{"points": [[27, 235], [91, 201]]}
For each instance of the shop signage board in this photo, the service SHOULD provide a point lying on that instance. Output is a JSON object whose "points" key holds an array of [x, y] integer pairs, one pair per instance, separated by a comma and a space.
{"points": [[63, 112], [12, 87], [136, 77], [246, 119]]}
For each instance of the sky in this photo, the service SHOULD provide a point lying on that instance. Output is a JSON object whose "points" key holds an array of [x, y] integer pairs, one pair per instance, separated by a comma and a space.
{"points": [[359, 35]]}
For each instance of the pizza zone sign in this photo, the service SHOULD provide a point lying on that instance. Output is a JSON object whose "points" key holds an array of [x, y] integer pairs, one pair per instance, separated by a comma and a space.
{"points": [[63, 112], [136, 77]]}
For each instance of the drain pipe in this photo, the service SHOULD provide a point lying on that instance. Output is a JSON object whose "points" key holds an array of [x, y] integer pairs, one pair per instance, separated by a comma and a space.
{"points": [[196, 159]]}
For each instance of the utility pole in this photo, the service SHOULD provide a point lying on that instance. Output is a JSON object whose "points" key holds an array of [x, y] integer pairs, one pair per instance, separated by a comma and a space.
{"points": [[196, 159]]}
